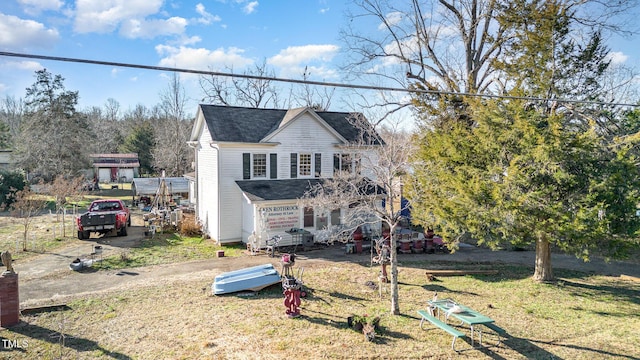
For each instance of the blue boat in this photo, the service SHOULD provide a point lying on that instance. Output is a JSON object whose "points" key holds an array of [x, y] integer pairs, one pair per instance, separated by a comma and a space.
{"points": [[253, 278]]}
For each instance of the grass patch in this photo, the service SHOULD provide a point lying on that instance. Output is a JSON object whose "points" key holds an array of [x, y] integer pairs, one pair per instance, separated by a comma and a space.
{"points": [[45, 234], [168, 248], [46, 230], [579, 317]]}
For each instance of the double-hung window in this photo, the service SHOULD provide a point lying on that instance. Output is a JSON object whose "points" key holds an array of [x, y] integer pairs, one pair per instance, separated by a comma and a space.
{"points": [[348, 163], [259, 166], [306, 165]]}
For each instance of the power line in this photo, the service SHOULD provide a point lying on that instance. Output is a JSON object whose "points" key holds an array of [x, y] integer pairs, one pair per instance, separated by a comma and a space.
{"points": [[307, 82]]}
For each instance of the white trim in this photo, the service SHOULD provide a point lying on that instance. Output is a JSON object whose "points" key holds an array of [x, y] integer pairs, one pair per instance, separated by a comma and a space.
{"points": [[289, 120]]}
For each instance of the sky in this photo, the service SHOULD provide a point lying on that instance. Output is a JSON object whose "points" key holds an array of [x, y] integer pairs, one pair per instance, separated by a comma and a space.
{"points": [[205, 35]]}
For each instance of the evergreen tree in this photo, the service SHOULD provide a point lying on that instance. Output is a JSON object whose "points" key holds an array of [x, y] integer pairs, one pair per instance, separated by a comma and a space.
{"points": [[524, 172], [10, 183], [141, 141], [53, 134], [4, 136]]}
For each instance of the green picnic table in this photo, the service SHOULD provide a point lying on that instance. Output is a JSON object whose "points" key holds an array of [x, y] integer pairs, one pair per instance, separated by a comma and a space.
{"points": [[465, 315]]}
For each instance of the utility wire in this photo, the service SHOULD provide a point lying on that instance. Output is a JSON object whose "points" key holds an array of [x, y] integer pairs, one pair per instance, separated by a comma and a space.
{"points": [[308, 82]]}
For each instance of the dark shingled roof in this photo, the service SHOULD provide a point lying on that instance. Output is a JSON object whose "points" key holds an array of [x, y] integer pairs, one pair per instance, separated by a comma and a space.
{"points": [[287, 189], [251, 125]]}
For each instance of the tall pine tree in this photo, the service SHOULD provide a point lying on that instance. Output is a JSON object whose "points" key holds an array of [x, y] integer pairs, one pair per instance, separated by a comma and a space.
{"points": [[532, 172], [53, 135]]}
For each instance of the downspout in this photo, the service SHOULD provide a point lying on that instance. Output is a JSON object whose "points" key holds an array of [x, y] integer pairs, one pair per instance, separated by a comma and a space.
{"points": [[215, 146], [194, 146]]}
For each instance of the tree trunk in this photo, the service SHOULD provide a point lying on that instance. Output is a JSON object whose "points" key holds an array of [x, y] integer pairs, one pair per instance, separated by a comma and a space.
{"points": [[64, 228], [543, 270], [395, 307], [25, 233]]}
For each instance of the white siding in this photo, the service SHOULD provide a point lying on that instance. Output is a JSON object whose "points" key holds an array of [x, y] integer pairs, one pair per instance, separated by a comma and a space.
{"points": [[226, 215], [248, 220], [305, 135], [230, 194], [207, 183], [368, 164]]}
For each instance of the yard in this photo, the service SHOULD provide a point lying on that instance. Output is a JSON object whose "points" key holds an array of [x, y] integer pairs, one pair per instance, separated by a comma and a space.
{"points": [[579, 317], [49, 230]]}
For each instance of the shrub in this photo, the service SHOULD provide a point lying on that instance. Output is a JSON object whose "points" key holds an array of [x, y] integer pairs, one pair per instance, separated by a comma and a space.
{"points": [[189, 226], [10, 183]]}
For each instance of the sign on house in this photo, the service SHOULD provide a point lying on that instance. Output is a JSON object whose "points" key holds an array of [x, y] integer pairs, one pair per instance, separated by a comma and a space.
{"points": [[281, 217]]}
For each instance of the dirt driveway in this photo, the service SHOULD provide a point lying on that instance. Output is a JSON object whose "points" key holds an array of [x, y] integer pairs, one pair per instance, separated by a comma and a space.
{"points": [[47, 277]]}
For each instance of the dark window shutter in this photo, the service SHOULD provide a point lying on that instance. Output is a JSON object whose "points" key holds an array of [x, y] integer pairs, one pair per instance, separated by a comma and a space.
{"points": [[336, 163], [294, 165], [246, 166], [273, 165], [318, 164]]}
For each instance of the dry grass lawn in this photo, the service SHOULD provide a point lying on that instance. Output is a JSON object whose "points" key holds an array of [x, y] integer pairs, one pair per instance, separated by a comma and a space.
{"points": [[579, 317]]}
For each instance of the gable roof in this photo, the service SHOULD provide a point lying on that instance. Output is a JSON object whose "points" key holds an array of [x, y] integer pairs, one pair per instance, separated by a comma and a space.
{"points": [[252, 125]]}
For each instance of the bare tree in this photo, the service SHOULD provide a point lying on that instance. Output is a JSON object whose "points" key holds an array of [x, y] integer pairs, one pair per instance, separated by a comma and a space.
{"points": [[310, 96], [171, 151], [450, 46], [11, 113], [437, 46], [63, 190], [256, 92], [108, 133], [380, 166], [112, 110], [25, 207]]}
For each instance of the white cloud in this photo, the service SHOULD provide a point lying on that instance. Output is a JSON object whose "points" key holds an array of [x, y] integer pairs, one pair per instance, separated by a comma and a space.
{"points": [[28, 65], [201, 58], [105, 16], [392, 18], [189, 40], [34, 7], [206, 18], [295, 55], [13, 80], [250, 7], [324, 11], [617, 57], [320, 73], [141, 28], [21, 33]]}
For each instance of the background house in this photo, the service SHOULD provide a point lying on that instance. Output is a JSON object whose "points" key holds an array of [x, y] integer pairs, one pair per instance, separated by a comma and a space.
{"points": [[115, 167], [252, 166]]}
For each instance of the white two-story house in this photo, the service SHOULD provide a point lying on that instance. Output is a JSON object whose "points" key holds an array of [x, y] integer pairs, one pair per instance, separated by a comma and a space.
{"points": [[253, 165]]}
